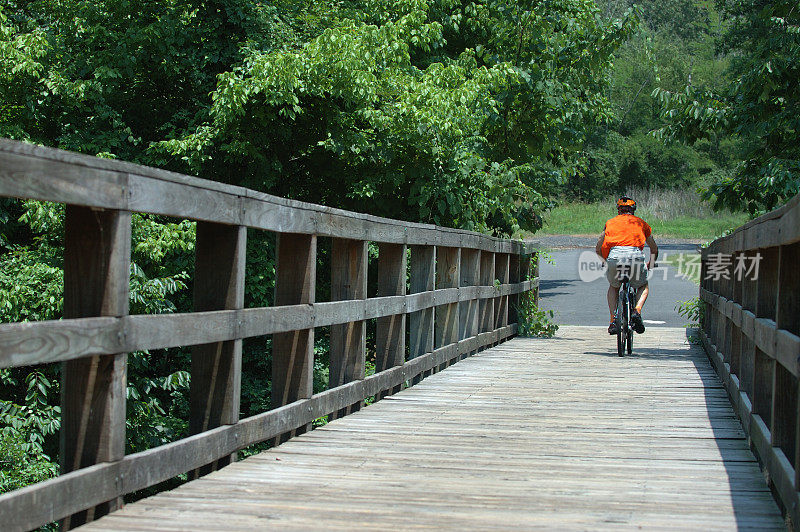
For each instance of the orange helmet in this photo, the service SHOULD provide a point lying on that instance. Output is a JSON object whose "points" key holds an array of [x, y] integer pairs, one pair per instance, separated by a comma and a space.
{"points": [[625, 201]]}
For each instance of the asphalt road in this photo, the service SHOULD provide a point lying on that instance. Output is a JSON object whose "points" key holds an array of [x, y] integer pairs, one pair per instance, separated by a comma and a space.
{"points": [[578, 302]]}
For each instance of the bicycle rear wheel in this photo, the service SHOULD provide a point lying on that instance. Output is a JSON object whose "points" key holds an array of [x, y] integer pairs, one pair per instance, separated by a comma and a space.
{"points": [[629, 330], [622, 324], [629, 342]]}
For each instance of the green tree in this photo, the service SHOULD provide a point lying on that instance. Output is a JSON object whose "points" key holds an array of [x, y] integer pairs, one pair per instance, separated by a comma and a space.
{"points": [[760, 106], [113, 76], [675, 45], [467, 119]]}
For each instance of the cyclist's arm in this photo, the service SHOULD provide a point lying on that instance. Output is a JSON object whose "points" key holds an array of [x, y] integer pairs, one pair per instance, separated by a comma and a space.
{"points": [[599, 246], [653, 251]]}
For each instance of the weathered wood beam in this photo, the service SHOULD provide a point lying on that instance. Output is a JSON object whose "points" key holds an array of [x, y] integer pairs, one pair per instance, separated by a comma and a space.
{"points": [[293, 352], [390, 333], [348, 340], [216, 371], [421, 322], [447, 276], [469, 277], [97, 250]]}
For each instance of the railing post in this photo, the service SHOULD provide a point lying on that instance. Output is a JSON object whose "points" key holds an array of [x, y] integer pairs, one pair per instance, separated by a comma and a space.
{"points": [[447, 276], [468, 310], [704, 319], [712, 317], [736, 325], [348, 340], [787, 315], [487, 279], [97, 249], [215, 388], [514, 272], [423, 268], [768, 275], [293, 352], [390, 334], [501, 273], [719, 284], [764, 364], [786, 407], [747, 361], [728, 292], [736, 347], [526, 273]]}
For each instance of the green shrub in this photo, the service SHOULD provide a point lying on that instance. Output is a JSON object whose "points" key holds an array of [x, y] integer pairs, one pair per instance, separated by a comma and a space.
{"points": [[693, 310], [532, 320]]}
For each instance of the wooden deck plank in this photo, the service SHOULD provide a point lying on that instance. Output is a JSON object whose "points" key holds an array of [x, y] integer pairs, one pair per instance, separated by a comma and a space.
{"points": [[533, 434]]}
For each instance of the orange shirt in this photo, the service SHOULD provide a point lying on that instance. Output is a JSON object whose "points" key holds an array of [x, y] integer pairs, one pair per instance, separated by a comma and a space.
{"points": [[625, 230]]}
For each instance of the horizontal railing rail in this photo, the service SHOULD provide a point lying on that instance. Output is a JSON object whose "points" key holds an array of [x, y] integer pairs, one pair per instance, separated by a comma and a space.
{"points": [[750, 287], [461, 298], [46, 174]]}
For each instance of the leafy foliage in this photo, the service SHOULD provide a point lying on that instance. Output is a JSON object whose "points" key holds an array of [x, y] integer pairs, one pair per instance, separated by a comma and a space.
{"points": [[760, 105], [24, 428], [111, 77], [676, 44], [532, 320], [691, 309], [31, 286], [471, 131]]}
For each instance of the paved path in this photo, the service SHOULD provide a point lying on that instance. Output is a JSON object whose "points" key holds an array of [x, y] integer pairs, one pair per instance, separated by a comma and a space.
{"points": [[531, 434], [576, 302]]}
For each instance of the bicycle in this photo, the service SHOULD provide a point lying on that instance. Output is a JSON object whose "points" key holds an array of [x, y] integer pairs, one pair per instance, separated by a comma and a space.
{"points": [[626, 303]]}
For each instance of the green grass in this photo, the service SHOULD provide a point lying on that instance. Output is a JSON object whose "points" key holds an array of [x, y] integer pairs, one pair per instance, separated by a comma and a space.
{"points": [[698, 228], [576, 219], [589, 219]]}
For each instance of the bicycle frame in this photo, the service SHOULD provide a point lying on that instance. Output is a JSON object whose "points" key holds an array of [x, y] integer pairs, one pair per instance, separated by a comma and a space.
{"points": [[626, 302]]}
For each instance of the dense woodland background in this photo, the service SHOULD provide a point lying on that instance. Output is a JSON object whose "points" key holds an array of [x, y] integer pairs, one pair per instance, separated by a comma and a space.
{"points": [[472, 114]]}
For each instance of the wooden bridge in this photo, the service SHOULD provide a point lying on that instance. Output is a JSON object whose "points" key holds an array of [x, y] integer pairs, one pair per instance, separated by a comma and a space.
{"points": [[472, 426], [533, 433]]}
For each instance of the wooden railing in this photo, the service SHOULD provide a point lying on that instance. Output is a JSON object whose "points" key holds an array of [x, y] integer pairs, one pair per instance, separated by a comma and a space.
{"points": [[751, 330], [462, 291]]}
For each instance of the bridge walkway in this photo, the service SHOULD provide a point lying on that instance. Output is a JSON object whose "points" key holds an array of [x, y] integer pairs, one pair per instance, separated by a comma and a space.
{"points": [[533, 433]]}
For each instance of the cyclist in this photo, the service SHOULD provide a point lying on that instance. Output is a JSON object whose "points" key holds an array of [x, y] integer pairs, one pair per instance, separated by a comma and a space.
{"points": [[622, 241]]}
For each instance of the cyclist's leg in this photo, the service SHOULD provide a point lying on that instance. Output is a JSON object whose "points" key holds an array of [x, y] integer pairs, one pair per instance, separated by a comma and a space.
{"points": [[639, 282], [613, 292], [636, 314], [616, 311], [643, 292], [613, 297]]}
